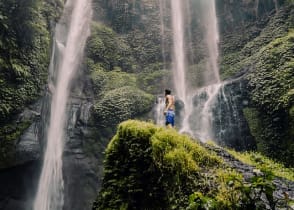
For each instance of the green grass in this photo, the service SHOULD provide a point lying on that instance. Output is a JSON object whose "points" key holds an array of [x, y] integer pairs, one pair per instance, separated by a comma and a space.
{"points": [[261, 162]]}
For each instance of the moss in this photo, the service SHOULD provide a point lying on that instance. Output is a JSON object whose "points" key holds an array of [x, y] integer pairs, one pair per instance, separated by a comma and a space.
{"points": [[24, 57], [266, 62], [153, 82], [145, 166], [121, 104], [149, 167], [104, 81], [9, 134], [255, 125], [262, 162], [24, 54], [104, 46], [168, 144], [242, 53], [272, 85]]}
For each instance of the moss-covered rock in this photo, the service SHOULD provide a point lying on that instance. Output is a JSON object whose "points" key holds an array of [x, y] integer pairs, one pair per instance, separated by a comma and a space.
{"points": [[121, 104], [271, 90], [265, 60], [149, 167], [272, 83]]}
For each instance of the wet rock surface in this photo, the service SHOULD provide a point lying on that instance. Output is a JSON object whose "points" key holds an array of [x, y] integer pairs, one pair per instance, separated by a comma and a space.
{"points": [[18, 181], [18, 186], [80, 169]]}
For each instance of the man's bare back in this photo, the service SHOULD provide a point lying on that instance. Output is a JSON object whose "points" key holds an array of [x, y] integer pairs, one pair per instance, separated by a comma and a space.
{"points": [[169, 102]]}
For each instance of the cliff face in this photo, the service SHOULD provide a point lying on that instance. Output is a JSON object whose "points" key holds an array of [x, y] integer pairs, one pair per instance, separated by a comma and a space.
{"points": [[256, 44], [128, 63], [25, 33]]}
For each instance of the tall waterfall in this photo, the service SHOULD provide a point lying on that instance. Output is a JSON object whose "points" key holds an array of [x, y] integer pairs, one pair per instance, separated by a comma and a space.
{"points": [[203, 115], [179, 66], [162, 5], [70, 38], [179, 61], [211, 38]]}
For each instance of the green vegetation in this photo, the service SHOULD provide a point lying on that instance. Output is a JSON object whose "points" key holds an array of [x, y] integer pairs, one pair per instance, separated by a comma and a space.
{"points": [[10, 133], [149, 167], [271, 91], [119, 92], [108, 49], [241, 52], [24, 54], [24, 57], [261, 162], [153, 82], [273, 84], [266, 61], [121, 104]]}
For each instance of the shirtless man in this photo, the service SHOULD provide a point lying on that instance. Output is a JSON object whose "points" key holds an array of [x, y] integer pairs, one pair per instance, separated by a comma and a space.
{"points": [[169, 110]]}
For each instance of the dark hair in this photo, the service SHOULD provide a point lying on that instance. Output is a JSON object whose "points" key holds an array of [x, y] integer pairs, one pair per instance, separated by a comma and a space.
{"points": [[167, 92]]}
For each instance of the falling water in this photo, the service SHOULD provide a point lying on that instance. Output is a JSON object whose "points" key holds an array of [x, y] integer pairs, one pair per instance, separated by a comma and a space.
{"points": [[212, 38], [70, 41], [159, 108], [179, 65], [212, 79], [162, 29], [178, 49], [205, 132], [203, 116]]}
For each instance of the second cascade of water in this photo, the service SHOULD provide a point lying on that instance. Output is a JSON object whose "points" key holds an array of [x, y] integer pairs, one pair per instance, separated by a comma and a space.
{"points": [[212, 84], [70, 38], [205, 115]]}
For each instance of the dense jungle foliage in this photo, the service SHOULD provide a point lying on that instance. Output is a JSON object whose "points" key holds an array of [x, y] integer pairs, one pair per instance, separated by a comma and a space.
{"points": [[124, 59], [25, 34], [128, 61], [260, 50]]}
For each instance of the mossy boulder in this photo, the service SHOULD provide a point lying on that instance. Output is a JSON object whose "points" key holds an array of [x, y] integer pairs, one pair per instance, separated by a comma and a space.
{"points": [[149, 167], [121, 104]]}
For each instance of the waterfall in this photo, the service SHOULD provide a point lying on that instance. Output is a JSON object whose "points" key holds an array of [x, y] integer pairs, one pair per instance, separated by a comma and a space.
{"points": [[204, 114], [179, 63], [178, 49], [159, 108], [70, 38], [162, 5], [211, 38], [205, 131]]}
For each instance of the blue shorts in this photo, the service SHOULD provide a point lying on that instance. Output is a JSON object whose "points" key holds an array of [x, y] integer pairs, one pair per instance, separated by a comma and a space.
{"points": [[170, 118]]}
